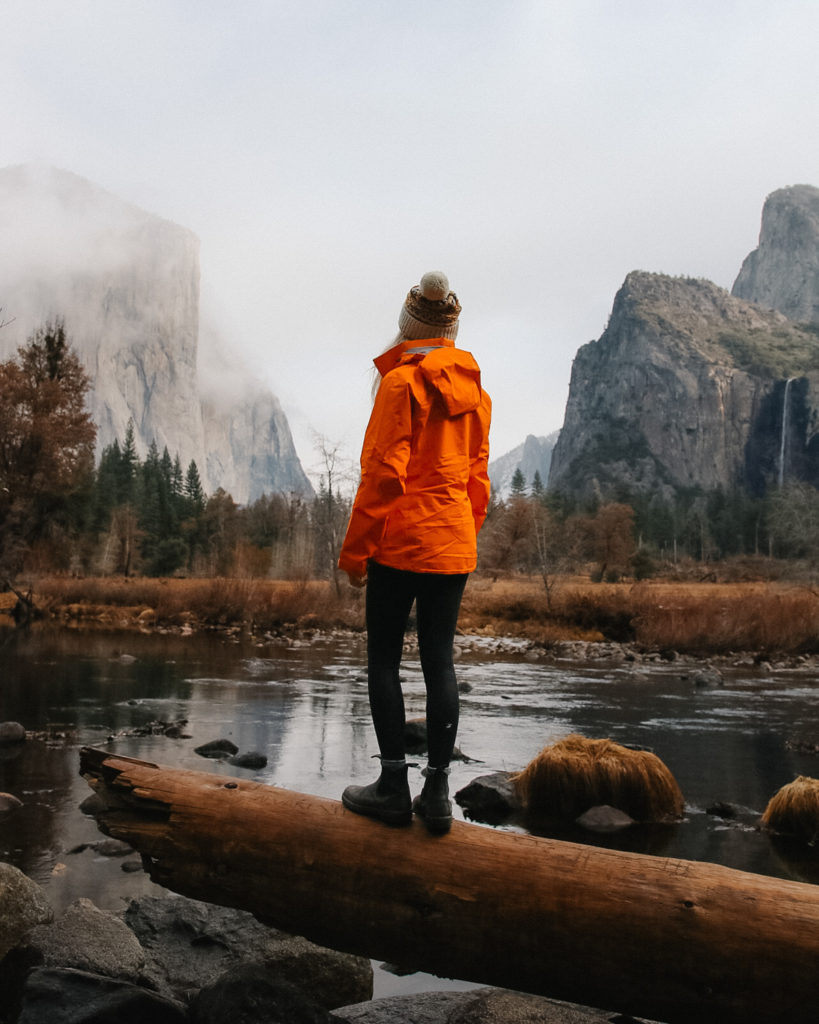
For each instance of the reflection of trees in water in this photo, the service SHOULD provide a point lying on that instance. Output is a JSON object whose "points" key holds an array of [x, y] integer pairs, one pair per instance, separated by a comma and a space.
{"points": [[799, 859], [42, 777], [62, 678], [654, 839]]}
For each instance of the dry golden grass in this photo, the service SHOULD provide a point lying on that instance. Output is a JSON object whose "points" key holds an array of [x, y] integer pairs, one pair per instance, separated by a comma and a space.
{"points": [[695, 618], [569, 777], [698, 618], [794, 810], [218, 602]]}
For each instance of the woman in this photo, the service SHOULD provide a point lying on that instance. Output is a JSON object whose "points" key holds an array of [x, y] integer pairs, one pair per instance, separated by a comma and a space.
{"points": [[412, 537]]}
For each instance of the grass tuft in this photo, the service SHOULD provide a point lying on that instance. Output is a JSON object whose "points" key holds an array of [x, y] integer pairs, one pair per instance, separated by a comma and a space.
{"points": [[569, 777]]}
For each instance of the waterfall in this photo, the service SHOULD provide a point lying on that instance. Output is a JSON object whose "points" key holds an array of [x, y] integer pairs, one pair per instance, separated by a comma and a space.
{"points": [[783, 438]]}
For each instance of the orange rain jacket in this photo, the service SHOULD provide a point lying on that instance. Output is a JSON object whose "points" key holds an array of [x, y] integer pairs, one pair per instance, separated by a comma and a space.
{"points": [[424, 485]]}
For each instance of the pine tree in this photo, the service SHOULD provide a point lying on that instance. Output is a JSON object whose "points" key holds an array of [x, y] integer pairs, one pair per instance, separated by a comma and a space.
{"points": [[128, 468], [518, 483], [106, 497], [150, 504], [194, 494], [178, 489], [193, 513]]}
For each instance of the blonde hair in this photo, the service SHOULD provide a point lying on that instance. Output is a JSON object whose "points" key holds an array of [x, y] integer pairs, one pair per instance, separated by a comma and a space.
{"points": [[376, 383]]}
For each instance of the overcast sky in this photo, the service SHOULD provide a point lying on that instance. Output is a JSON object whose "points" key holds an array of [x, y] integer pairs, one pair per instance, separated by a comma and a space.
{"points": [[329, 152]]}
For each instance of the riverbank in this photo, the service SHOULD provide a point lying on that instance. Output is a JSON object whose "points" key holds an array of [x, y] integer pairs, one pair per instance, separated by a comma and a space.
{"points": [[772, 620], [301, 700]]}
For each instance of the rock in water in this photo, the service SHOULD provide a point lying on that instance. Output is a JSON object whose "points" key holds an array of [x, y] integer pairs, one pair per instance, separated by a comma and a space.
{"points": [[12, 732], [217, 749]]}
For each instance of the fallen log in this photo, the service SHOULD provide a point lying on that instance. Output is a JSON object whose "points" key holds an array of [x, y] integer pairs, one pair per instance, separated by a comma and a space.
{"points": [[674, 940]]}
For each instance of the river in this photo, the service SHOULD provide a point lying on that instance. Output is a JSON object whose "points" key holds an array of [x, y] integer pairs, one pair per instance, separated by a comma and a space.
{"points": [[303, 705]]}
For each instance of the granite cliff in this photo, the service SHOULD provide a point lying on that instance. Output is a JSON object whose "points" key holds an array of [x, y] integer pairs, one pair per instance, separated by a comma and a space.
{"points": [[689, 388], [126, 283], [783, 272]]}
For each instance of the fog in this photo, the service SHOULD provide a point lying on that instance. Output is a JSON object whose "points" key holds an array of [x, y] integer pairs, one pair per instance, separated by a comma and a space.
{"points": [[327, 154]]}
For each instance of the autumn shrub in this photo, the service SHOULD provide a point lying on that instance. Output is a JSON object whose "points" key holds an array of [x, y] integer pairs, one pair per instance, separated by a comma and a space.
{"points": [[567, 778], [794, 810]]}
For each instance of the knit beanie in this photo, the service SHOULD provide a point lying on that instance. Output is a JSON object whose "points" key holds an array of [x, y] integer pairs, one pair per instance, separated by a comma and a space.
{"points": [[430, 310]]}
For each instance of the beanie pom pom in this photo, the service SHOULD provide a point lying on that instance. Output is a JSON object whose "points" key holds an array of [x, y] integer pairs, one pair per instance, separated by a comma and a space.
{"points": [[434, 285]]}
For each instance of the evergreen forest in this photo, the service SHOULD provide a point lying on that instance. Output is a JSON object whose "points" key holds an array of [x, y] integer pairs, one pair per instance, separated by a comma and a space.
{"points": [[131, 515]]}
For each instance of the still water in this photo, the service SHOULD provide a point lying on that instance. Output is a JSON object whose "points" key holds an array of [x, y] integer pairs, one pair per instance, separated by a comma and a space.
{"points": [[304, 707]]}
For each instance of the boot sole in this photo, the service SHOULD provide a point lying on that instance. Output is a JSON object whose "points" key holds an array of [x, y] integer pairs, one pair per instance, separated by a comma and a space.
{"points": [[438, 826], [385, 816]]}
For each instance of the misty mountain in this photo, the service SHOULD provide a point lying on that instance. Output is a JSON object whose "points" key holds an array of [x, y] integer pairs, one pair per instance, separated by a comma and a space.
{"points": [[533, 456], [126, 283]]}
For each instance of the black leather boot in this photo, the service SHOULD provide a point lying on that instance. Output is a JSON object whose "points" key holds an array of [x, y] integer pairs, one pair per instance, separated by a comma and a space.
{"points": [[432, 805], [387, 799]]}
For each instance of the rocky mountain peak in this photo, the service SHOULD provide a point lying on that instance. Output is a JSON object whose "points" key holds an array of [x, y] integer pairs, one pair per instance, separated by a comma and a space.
{"points": [[683, 390], [783, 272]]}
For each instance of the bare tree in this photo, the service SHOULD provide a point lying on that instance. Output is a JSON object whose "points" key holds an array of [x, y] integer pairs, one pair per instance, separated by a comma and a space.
{"points": [[555, 546], [610, 535], [331, 507]]}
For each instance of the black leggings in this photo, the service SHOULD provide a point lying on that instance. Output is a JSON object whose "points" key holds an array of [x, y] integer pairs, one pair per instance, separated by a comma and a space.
{"points": [[437, 596]]}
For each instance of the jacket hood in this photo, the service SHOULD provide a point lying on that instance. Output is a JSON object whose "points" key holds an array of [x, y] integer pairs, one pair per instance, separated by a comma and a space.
{"points": [[452, 372]]}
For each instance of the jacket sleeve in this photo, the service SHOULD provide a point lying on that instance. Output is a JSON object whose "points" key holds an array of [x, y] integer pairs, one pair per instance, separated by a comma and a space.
{"points": [[478, 486], [384, 458]]}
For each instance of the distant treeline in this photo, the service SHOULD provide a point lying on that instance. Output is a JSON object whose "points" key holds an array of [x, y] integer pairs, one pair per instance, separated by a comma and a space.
{"points": [[635, 534], [129, 516], [149, 516]]}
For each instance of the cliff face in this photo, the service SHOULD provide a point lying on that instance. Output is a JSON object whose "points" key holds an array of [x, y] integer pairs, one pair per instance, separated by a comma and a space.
{"points": [[249, 447], [533, 456], [126, 284], [783, 272], [686, 389]]}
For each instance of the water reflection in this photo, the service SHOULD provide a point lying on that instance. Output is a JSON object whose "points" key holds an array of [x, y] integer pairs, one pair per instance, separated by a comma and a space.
{"points": [[305, 708]]}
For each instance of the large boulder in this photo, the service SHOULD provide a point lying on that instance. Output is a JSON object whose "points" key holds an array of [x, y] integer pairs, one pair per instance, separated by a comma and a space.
{"points": [[65, 996], [251, 994], [420, 1008], [191, 943], [22, 907], [89, 939], [499, 1006], [475, 1006]]}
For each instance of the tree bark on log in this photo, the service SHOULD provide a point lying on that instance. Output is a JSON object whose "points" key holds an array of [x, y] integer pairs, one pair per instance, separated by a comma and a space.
{"points": [[674, 940]]}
